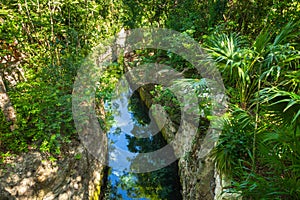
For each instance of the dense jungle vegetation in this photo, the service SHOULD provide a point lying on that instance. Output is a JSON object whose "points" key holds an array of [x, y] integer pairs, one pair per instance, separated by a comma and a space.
{"points": [[255, 44]]}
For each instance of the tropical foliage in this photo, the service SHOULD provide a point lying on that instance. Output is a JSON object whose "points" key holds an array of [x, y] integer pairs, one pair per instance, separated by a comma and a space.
{"points": [[255, 45], [259, 146]]}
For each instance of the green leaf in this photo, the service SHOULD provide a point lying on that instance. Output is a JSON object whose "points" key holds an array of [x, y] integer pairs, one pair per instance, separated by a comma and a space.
{"points": [[296, 116], [291, 103]]}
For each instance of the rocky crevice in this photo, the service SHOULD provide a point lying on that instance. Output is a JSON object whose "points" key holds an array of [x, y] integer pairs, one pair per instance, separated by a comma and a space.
{"points": [[197, 173]]}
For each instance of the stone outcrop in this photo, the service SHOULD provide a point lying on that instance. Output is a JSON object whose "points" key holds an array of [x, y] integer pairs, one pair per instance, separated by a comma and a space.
{"points": [[6, 105], [77, 176]]}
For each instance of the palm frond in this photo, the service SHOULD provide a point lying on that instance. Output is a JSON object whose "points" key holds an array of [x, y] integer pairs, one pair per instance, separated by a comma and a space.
{"points": [[286, 33], [283, 103], [225, 50], [262, 41]]}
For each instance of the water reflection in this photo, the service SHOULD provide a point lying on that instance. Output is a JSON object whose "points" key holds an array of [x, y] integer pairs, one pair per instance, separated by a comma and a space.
{"points": [[130, 137]]}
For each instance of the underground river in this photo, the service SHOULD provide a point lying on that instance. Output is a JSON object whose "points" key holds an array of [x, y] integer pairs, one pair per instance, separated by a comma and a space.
{"points": [[131, 119]]}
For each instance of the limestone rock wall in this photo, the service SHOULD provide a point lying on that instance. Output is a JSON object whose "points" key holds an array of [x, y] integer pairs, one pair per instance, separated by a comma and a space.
{"points": [[196, 173], [31, 176]]}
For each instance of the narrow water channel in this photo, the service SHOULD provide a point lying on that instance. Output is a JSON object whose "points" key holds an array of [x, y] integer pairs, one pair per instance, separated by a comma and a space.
{"points": [[130, 119]]}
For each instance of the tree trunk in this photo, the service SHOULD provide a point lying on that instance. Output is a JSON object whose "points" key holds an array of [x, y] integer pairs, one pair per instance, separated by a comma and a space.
{"points": [[6, 106]]}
